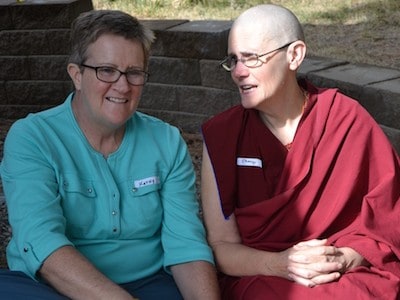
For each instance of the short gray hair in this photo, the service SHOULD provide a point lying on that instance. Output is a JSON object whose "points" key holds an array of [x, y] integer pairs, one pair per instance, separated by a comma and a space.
{"points": [[89, 26]]}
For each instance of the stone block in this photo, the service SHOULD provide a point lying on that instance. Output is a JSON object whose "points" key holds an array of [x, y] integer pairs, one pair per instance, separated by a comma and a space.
{"points": [[5, 17], [3, 95], [39, 14], [213, 75], [159, 97], [188, 122], [314, 64], [394, 137], [162, 25], [382, 100], [5, 3], [23, 42], [43, 92], [197, 39], [14, 112], [58, 41], [51, 67], [14, 68], [171, 70], [204, 101], [34, 42], [351, 77]]}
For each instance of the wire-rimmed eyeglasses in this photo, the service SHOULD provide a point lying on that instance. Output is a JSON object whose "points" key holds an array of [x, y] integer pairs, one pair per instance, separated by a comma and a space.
{"points": [[111, 75], [250, 60]]}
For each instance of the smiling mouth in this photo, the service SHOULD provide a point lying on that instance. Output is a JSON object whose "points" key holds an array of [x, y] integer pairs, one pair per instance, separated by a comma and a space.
{"points": [[117, 100], [248, 87]]}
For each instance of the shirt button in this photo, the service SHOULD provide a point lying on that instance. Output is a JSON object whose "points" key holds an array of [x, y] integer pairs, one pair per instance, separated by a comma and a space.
{"points": [[114, 229], [89, 190], [134, 189], [114, 213]]}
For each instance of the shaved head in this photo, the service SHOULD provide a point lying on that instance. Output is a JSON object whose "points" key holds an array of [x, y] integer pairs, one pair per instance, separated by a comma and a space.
{"points": [[272, 23]]}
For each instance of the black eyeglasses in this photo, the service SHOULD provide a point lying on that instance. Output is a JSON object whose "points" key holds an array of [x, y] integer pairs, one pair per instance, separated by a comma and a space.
{"points": [[250, 60], [111, 75]]}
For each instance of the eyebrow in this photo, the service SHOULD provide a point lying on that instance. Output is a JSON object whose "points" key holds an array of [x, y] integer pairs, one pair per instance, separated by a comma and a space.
{"points": [[244, 53]]}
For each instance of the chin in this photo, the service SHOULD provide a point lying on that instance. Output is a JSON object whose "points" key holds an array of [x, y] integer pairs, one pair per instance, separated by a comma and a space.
{"points": [[248, 104]]}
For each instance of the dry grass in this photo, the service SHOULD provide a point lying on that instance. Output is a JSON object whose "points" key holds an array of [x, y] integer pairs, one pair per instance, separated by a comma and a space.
{"points": [[359, 31]]}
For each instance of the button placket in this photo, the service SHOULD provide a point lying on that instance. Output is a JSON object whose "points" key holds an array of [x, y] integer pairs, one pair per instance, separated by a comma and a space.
{"points": [[116, 223]]}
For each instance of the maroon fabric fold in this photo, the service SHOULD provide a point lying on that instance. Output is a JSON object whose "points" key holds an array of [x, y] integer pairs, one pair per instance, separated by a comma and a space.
{"points": [[340, 180]]}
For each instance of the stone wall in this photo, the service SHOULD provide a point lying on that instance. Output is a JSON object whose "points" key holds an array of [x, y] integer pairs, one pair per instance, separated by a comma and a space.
{"points": [[186, 85]]}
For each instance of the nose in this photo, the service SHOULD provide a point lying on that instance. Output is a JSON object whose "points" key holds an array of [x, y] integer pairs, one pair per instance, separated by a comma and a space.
{"points": [[240, 70], [122, 84]]}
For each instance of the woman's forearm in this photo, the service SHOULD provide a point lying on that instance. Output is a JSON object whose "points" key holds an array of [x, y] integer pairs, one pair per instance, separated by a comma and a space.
{"points": [[74, 276]]}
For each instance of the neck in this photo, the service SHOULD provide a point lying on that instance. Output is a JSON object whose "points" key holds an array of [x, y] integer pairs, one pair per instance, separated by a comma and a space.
{"points": [[283, 119], [103, 139]]}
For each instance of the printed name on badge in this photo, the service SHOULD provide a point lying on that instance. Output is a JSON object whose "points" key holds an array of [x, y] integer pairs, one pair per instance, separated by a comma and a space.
{"points": [[249, 162], [146, 181]]}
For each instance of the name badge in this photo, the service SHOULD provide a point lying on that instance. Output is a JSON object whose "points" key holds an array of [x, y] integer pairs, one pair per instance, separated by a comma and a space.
{"points": [[146, 181], [249, 162]]}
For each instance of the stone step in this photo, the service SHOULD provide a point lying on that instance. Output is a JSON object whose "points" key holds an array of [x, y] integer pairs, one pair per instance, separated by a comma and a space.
{"points": [[376, 88], [32, 92], [187, 99], [34, 42], [186, 107], [188, 71], [194, 39], [188, 122], [34, 67]]}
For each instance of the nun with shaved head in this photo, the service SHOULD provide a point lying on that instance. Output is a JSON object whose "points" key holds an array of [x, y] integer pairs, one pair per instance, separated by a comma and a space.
{"points": [[300, 186]]}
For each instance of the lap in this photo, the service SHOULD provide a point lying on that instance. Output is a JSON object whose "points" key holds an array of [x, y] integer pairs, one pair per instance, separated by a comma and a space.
{"points": [[360, 283], [158, 286], [18, 286]]}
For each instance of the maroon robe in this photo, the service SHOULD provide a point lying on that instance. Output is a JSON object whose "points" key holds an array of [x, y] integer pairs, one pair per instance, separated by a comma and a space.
{"points": [[340, 181]]}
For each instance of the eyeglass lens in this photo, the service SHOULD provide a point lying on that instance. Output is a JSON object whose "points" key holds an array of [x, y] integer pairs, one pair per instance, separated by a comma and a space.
{"points": [[134, 77]]}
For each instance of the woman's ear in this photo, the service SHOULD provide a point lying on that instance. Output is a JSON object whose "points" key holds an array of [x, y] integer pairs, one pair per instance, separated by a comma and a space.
{"points": [[296, 54], [75, 73]]}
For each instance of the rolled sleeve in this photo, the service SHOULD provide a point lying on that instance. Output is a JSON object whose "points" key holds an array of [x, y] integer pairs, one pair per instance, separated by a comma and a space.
{"points": [[35, 214]]}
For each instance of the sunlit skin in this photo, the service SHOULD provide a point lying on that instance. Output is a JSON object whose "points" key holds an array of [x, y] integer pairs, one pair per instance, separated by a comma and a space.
{"points": [[101, 108], [272, 87], [263, 83]]}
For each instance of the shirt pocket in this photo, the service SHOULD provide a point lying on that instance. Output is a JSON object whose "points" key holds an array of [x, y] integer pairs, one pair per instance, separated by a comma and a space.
{"points": [[143, 209], [79, 204]]}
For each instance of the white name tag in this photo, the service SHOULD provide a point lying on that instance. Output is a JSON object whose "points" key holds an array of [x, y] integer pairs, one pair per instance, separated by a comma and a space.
{"points": [[146, 181], [249, 162]]}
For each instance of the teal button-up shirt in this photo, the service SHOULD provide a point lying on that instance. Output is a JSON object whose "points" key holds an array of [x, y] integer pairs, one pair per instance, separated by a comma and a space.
{"points": [[130, 214]]}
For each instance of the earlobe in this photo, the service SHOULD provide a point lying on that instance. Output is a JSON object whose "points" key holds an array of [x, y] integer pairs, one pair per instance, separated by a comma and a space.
{"points": [[297, 55], [75, 73]]}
